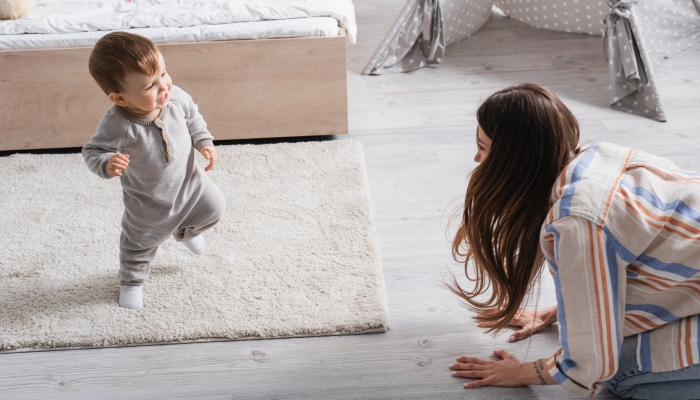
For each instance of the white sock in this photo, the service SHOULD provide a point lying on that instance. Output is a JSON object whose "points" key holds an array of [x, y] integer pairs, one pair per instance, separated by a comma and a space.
{"points": [[196, 244], [131, 297]]}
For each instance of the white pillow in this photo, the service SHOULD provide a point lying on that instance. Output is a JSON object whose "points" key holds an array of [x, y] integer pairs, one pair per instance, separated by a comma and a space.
{"points": [[578, 16]]}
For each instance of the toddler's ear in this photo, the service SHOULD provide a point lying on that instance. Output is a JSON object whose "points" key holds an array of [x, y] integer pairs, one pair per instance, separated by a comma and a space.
{"points": [[117, 99]]}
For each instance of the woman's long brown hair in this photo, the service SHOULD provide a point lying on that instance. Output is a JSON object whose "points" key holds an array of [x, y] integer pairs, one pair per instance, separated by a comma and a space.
{"points": [[508, 197]]}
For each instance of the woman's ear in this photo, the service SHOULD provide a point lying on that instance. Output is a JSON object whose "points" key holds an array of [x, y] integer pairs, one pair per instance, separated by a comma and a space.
{"points": [[117, 99]]}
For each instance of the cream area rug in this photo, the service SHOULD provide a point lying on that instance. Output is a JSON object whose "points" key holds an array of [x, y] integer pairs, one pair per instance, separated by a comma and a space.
{"points": [[294, 255]]}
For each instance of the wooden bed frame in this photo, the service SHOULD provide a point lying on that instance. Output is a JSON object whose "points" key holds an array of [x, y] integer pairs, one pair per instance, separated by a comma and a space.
{"points": [[244, 89]]}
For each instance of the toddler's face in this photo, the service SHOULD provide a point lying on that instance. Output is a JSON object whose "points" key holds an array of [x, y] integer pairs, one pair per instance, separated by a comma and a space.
{"points": [[145, 95]]}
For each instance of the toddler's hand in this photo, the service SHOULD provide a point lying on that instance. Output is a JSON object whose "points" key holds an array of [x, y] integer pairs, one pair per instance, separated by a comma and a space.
{"points": [[210, 154], [117, 163]]}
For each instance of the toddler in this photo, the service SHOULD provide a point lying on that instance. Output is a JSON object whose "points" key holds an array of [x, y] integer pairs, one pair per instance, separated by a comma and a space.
{"points": [[165, 190]]}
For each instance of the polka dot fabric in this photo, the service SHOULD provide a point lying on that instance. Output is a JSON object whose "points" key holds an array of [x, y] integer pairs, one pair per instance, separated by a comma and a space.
{"points": [[632, 83], [577, 16], [461, 18], [423, 30], [409, 45], [668, 27]]}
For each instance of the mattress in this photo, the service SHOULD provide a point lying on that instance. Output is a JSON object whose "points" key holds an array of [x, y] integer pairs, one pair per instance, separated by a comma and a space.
{"points": [[72, 23], [300, 27]]}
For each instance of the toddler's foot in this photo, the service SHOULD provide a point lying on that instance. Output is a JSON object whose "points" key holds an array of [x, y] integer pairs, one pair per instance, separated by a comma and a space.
{"points": [[131, 297], [196, 244]]}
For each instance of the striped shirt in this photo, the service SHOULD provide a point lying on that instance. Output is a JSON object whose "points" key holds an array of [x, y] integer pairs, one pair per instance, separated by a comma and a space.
{"points": [[622, 241]]}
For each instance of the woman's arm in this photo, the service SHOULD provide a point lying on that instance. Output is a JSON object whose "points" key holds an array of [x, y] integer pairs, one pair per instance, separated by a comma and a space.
{"points": [[508, 372], [590, 311], [535, 373], [590, 284]]}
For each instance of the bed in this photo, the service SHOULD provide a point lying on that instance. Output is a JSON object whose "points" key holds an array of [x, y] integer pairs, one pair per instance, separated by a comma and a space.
{"points": [[257, 69]]}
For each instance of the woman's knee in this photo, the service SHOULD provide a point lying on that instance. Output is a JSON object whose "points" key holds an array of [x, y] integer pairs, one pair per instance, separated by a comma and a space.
{"points": [[649, 386], [619, 388]]}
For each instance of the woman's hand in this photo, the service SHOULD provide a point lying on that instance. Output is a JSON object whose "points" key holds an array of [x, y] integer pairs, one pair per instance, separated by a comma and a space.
{"points": [[509, 372], [489, 373], [210, 154], [530, 321]]}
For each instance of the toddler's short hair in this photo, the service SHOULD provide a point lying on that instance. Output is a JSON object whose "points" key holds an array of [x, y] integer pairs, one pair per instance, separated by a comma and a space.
{"points": [[117, 54]]}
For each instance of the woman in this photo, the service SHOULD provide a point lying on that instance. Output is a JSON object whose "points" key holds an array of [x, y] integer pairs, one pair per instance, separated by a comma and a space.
{"points": [[620, 231]]}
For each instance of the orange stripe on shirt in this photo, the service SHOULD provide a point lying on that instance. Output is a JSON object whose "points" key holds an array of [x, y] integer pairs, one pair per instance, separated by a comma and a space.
{"points": [[551, 216], [606, 299], [650, 324], [552, 361], [664, 286], [640, 271], [664, 282], [562, 176], [601, 335], [641, 328], [617, 182], [646, 283], [680, 341], [595, 285], [657, 226], [685, 285], [666, 175], [660, 218], [690, 284], [688, 347], [679, 233]]}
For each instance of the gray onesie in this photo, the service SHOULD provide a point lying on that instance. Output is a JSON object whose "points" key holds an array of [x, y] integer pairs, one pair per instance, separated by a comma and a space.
{"points": [[166, 192]]}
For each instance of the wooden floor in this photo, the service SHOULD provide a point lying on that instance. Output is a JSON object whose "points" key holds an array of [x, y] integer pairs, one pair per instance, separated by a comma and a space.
{"points": [[418, 132]]}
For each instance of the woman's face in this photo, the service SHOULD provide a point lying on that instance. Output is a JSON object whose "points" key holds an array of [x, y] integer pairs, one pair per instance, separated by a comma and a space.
{"points": [[483, 145]]}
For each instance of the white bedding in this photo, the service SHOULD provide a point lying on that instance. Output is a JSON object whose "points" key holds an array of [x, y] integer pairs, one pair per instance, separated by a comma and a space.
{"points": [[300, 27], [85, 21]]}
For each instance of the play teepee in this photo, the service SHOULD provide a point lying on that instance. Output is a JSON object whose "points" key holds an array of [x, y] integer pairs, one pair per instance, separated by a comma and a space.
{"points": [[637, 36]]}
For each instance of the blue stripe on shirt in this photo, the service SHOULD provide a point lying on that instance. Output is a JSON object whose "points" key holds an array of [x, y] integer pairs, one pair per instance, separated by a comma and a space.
{"points": [[677, 205], [698, 330], [550, 229], [579, 169], [626, 255], [567, 363], [674, 268], [559, 378], [645, 351], [611, 262], [657, 311], [651, 262]]}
